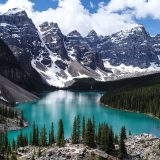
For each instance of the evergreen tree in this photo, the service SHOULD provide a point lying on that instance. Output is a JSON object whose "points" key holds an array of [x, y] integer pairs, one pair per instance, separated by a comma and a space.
{"points": [[31, 138], [116, 139], [2, 147], [78, 129], [34, 134], [83, 128], [6, 140], [122, 148], [13, 145], [94, 126], [43, 136], [144, 99], [89, 135], [111, 140], [13, 156], [130, 133], [99, 134], [21, 120], [123, 130], [39, 153], [51, 135], [74, 132], [37, 136], [60, 138], [33, 157]]}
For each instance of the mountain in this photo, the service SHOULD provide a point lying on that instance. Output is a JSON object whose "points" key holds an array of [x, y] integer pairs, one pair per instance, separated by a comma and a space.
{"points": [[13, 71], [45, 53], [12, 93]]}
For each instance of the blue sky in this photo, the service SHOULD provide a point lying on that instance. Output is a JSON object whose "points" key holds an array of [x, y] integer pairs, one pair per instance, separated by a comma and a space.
{"points": [[150, 20], [151, 25]]}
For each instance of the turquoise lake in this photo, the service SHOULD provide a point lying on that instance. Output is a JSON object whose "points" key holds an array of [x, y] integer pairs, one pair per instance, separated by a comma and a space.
{"points": [[67, 104]]}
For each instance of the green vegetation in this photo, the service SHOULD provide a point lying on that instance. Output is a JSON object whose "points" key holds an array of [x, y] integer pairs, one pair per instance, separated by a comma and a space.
{"points": [[60, 138], [8, 112], [102, 137], [142, 99], [122, 149]]}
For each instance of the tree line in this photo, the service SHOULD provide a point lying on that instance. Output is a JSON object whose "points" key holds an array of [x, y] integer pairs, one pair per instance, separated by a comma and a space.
{"points": [[8, 112], [84, 132], [144, 99]]}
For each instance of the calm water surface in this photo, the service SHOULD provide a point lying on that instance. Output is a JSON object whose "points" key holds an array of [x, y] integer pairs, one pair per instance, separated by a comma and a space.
{"points": [[66, 105]]}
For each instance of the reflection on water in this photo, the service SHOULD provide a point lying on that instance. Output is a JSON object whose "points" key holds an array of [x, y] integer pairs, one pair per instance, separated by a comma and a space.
{"points": [[66, 105]]}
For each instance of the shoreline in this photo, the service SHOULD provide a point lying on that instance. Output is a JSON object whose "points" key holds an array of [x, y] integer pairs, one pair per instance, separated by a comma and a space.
{"points": [[12, 124], [125, 110]]}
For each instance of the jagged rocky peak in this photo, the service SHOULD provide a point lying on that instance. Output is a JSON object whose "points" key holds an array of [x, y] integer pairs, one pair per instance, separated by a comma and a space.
{"points": [[92, 38], [17, 17], [92, 33], [15, 11], [46, 26], [74, 33], [137, 30]]}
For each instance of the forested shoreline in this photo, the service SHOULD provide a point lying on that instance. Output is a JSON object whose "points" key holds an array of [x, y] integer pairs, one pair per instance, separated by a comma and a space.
{"points": [[142, 99], [83, 132]]}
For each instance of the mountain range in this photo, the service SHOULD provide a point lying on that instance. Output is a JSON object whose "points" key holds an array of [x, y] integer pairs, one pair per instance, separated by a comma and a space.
{"points": [[46, 56]]}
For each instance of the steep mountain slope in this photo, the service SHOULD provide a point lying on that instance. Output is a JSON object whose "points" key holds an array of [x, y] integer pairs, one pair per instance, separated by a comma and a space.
{"points": [[130, 47], [12, 70], [60, 58], [12, 93]]}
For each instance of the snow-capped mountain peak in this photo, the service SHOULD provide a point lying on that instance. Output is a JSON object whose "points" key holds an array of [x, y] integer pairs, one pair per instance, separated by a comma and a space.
{"points": [[74, 33], [17, 11], [92, 33], [60, 58]]}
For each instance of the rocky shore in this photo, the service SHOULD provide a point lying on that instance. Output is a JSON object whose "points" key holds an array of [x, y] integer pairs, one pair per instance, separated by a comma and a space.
{"points": [[139, 147], [73, 152], [143, 146], [11, 124]]}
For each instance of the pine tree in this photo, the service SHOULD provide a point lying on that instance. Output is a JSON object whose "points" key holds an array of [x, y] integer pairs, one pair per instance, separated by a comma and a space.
{"points": [[51, 135], [34, 134], [89, 135], [13, 156], [37, 136], [78, 129], [74, 132], [116, 139], [83, 128], [99, 134], [123, 130], [21, 120], [31, 138], [33, 157], [39, 153], [130, 133], [60, 138], [122, 148], [111, 139], [94, 126], [6, 140], [13, 145], [43, 136], [2, 142]]}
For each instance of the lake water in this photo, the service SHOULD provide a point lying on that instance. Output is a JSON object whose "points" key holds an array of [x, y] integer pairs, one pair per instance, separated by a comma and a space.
{"points": [[67, 105]]}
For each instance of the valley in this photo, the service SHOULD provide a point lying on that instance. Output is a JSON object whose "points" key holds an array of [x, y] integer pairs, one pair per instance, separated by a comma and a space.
{"points": [[47, 75]]}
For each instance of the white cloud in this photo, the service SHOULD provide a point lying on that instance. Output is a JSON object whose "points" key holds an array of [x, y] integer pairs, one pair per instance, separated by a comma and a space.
{"points": [[91, 4], [140, 8], [71, 14]]}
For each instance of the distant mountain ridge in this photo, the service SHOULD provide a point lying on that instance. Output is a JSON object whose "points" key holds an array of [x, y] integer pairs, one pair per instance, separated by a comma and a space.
{"points": [[60, 58]]}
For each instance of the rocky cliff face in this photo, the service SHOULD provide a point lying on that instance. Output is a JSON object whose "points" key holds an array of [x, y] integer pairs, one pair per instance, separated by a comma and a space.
{"points": [[12, 70], [130, 47], [60, 58]]}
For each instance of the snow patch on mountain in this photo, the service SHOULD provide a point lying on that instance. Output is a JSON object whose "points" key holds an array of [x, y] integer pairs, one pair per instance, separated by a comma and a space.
{"points": [[13, 11]]}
